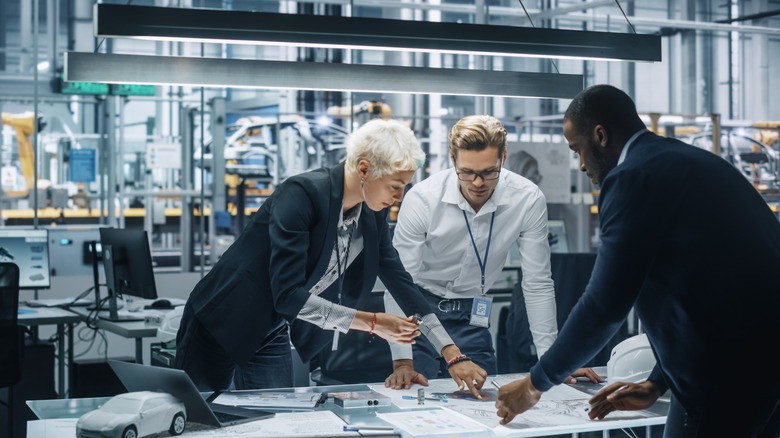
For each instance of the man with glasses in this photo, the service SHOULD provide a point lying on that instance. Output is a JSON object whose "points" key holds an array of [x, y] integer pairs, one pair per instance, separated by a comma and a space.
{"points": [[453, 234]]}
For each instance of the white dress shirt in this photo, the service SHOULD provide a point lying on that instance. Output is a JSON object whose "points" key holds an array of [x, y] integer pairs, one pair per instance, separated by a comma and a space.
{"points": [[434, 245]]}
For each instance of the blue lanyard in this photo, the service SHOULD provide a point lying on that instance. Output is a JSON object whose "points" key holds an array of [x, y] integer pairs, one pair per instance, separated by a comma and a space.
{"points": [[482, 264]]}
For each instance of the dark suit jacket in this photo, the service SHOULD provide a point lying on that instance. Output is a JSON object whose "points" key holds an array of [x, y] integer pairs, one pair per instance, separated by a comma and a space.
{"points": [[265, 276], [692, 245]]}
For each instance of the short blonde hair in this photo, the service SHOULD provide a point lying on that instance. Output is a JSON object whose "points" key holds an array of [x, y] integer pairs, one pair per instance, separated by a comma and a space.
{"points": [[476, 133], [388, 145]]}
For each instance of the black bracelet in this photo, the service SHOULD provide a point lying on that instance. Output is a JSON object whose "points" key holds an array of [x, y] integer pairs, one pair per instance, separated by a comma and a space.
{"points": [[459, 359]]}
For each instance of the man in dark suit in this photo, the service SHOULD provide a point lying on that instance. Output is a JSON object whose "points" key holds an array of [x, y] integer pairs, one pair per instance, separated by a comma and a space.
{"points": [[689, 243], [305, 259]]}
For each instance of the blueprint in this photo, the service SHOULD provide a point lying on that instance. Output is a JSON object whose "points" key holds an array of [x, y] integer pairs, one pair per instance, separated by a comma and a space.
{"points": [[561, 406]]}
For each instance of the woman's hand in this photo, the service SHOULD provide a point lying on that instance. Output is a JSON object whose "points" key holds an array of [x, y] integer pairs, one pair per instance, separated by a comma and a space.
{"points": [[387, 326]]}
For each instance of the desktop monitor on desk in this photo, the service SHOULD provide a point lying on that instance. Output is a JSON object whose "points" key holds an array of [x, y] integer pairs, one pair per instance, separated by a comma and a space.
{"points": [[127, 261], [69, 249], [29, 249]]}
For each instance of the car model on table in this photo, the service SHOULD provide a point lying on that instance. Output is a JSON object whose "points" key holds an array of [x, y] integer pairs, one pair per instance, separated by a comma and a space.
{"points": [[134, 415]]}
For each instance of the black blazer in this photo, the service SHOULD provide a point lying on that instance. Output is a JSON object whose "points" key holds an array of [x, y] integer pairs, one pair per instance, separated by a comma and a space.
{"points": [[688, 242], [265, 276]]}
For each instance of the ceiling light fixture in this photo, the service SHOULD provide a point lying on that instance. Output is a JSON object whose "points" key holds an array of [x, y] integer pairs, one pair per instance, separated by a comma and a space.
{"points": [[263, 28], [240, 73]]}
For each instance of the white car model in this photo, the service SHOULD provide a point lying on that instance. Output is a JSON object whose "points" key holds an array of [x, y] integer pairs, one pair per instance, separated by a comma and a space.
{"points": [[134, 415]]}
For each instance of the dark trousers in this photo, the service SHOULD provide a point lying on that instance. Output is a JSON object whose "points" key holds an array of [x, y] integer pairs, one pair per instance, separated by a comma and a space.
{"points": [[474, 342], [744, 418], [211, 368]]}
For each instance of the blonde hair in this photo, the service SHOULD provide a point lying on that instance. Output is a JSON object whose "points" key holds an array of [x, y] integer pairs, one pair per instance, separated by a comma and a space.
{"points": [[476, 133], [389, 145]]}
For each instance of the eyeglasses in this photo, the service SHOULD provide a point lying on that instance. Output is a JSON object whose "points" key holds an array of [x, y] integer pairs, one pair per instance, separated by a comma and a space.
{"points": [[486, 175]]}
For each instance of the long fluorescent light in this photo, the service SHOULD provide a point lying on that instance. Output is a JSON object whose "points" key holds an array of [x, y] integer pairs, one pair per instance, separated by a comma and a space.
{"points": [[240, 73], [247, 27]]}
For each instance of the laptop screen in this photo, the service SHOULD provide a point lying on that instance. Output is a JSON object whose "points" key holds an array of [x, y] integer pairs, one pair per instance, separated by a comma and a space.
{"points": [[28, 249], [138, 377]]}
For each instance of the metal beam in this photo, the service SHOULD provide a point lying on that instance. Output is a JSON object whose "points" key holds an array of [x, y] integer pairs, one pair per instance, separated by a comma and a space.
{"points": [[247, 27], [749, 17], [563, 10], [504, 11], [238, 73]]}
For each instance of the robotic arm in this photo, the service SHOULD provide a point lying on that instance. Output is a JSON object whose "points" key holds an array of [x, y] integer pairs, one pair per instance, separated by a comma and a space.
{"points": [[23, 125]]}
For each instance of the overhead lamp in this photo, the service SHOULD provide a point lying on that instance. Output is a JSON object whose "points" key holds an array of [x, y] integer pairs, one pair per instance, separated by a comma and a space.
{"points": [[241, 73], [264, 28]]}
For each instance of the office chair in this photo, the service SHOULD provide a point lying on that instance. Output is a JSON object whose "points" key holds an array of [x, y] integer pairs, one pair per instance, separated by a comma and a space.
{"points": [[359, 357], [570, 273], [11, 335]]}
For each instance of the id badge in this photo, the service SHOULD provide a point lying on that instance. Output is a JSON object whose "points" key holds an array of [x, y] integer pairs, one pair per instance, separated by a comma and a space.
{"points": [[480, 311]]}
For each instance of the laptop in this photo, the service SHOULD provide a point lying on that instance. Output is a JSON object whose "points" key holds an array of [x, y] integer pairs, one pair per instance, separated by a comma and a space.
{"points": [[139, 377]]}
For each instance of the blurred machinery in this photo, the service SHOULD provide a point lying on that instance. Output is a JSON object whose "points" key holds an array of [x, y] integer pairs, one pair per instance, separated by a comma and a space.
{"points": [[746, 145], [365, 109], [25, 126], [276, 147]]}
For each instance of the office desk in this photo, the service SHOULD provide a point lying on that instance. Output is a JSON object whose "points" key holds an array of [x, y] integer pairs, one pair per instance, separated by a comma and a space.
{"points": [[521, 427], [54, 316], [127, 329]]}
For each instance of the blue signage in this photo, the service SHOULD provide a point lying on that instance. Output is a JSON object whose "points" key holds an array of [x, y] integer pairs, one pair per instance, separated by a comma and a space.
{"points": [[83, 165]]}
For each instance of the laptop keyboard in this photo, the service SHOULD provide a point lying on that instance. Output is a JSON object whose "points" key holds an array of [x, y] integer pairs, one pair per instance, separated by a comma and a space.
{"points": [[224, 417]]}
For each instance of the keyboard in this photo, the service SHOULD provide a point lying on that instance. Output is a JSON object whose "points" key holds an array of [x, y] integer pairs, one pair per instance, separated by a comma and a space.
{"points": [[59, 302], [224, 417]]}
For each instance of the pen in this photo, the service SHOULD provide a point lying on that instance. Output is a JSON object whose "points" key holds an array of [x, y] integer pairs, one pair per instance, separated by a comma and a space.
{"points": [[350, 428], [411, 397], [495, 384], [604, 400], [595, 405]]}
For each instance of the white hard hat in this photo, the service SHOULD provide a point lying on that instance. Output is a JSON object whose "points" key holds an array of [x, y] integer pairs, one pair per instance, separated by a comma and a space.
{"points": [[170, 324], [631, 360]]}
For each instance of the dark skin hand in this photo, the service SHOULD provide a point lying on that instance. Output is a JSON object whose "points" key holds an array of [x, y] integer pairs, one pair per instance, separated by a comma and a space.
{"points": [[515, 398], [623, 396], [585, 372], [520, 395]]}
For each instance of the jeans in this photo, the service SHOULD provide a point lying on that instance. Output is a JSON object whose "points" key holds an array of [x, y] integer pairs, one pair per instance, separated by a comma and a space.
{"points": [[211, 368], [475, 342]]}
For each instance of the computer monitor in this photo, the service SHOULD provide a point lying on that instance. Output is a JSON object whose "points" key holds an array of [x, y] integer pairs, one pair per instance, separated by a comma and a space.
{"points": [[130, 262], [69, 249], [29, 249]]}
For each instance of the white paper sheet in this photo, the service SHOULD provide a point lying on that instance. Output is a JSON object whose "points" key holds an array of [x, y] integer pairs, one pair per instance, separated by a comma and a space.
{"points": [[292, 424], [431, 422], [256, 399], [297, 424], [54, 428]]}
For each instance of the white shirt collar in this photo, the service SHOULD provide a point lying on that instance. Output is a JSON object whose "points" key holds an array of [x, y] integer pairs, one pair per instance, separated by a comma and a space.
{"points": [[630, 141]]}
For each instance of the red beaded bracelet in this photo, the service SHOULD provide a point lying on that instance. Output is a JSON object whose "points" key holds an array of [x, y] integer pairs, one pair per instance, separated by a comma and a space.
{"points": [[457, 359], [373, 325]]}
